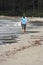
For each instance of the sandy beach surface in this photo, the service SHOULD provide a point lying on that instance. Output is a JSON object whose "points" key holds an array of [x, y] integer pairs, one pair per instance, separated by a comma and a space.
{"points": [[28, 50]]}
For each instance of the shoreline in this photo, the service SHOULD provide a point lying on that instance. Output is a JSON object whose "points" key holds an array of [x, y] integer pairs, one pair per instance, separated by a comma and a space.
{"points": [[31, 19], [29, 46]]}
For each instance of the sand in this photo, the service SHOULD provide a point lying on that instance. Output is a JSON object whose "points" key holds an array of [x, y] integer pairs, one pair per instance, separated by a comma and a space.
{"points": [[27, 51]]}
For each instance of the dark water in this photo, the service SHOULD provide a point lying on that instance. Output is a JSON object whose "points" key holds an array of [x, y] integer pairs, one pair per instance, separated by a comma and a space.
{"points": [[10, 30]]}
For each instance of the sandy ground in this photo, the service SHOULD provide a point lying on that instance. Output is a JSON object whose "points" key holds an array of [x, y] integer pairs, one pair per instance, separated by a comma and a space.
{"points": [[27, 51]]}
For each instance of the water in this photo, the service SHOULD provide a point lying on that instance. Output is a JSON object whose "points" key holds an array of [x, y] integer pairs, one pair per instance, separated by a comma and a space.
{"points": [[10, 30]]}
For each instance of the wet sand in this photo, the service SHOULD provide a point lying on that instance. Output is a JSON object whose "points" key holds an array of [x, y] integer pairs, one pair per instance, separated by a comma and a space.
{"points": [[28, 50]]}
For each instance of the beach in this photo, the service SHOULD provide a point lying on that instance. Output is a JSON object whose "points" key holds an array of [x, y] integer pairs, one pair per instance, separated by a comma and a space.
{"points": [[28, 50]]}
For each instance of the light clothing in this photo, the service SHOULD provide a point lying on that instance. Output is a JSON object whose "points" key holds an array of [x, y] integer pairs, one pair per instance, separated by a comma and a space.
{"points": [[24, 20]]}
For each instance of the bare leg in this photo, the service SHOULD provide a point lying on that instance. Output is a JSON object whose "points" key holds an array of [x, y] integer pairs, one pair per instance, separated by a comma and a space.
{"points": [[24, 28]]}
